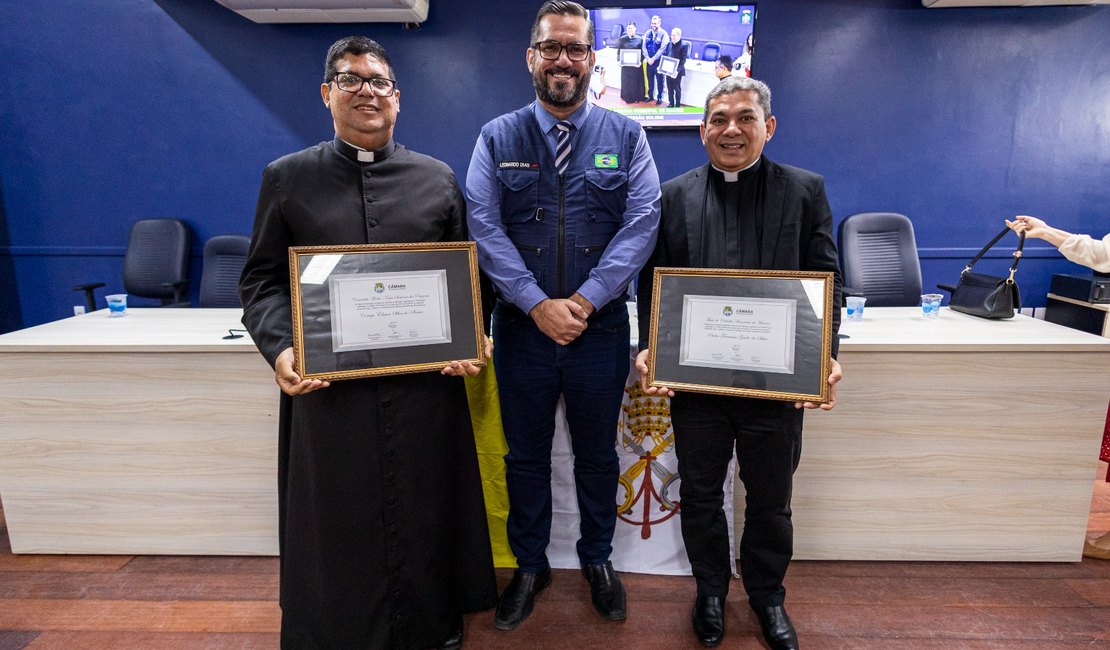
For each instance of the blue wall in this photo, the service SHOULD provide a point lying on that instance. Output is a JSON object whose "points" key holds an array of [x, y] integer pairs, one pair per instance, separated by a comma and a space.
{"points": [[117, 110]]}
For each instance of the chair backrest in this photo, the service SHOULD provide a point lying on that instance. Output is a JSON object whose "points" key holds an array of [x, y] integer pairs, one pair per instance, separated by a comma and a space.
{"points": [[878, 257], [224, 258], [156, 264], [614, 35], [710, 51]]}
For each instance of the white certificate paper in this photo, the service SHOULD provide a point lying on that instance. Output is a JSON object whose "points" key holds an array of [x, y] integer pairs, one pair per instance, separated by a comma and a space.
{"points": [[370, 311], [668, 66], [738, 333]]}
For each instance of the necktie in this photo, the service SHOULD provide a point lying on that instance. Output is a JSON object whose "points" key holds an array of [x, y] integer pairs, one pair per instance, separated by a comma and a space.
{"points": [[562, 147]]}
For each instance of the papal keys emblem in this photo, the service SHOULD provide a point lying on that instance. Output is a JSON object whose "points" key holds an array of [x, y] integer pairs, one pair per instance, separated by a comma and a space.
{"points": [[645, 430]]}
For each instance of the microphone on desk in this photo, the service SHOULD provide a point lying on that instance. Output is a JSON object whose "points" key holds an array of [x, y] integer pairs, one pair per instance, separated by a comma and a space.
{"points": [[231, 334]]}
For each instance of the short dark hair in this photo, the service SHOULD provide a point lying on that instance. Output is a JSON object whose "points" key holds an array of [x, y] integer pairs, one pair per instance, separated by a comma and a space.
{"points": [[733, 84], [354, 45], [725, 60], [562, 8]]}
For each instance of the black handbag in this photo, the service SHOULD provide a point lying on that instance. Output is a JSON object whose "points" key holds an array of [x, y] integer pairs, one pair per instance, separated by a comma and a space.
{"points": [[987, 296]]}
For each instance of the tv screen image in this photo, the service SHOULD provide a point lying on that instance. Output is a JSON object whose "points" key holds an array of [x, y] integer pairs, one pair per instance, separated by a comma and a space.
{"points": [[715, 41]]}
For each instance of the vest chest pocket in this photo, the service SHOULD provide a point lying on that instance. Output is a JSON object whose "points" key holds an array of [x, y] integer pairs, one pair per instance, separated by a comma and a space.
{"points": [[534, 260], [606, 195], [519, 194]]}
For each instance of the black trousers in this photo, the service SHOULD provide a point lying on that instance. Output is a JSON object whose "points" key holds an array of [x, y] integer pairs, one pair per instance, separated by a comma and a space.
{"points": [[674, 90], [767, 438]]}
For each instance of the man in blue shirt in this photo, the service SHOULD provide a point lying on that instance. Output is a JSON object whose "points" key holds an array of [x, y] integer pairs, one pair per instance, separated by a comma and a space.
{"points": [[564, 204], [655, 44]]}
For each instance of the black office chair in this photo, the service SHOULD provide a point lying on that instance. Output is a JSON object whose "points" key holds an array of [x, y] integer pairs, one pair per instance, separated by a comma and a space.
{"points": [[710, 51], [614, 36], [156, 264], [878, 259], [224, 258]]}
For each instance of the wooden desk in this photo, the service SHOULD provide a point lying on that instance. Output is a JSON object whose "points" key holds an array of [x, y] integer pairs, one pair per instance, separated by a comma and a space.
{"points": [[142, 434], [954, 439]]}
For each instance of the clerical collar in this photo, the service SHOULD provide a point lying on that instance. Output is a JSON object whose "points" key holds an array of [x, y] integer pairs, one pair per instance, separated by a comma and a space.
{"points": [[364, 155], [745, 173]]}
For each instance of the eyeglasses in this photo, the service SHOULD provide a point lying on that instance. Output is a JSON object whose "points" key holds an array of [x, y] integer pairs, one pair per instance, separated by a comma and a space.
{"points": [[551, 50], [352, 83]]}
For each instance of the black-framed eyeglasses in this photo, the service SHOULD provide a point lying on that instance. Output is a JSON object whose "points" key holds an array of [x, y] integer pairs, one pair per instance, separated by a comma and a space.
{"points": [[352, 83], [552, 49]]}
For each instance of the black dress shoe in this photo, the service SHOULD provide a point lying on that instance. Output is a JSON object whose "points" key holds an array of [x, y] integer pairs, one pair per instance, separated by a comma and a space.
{"points": [[777, 629], [515, 604], [709, 620], [606, 591], [453, 642]]}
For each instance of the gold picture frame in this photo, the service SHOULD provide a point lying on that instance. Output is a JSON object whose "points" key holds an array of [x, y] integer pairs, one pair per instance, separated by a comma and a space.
{"points": [[765, 334], [385, 309]]}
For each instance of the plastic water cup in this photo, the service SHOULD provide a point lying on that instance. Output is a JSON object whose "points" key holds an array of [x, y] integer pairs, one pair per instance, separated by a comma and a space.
{"points": [[117, 304], [930, 305], [855, 307]]}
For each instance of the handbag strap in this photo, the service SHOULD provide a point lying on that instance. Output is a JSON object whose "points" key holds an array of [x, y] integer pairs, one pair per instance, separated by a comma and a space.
{"points": [[1017, 253]]}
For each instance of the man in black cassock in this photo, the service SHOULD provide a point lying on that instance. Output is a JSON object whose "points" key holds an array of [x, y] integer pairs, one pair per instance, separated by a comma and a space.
{"points": [[632, 76], [382, 531], [740, 210]]}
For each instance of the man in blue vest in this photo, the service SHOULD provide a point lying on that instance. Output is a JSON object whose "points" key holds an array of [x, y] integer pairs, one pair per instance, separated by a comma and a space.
{"points": [[564, 204], [655, 43]]}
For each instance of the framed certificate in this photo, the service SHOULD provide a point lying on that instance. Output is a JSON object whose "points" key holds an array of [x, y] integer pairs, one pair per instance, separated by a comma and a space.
{"points": [[668, 66], [384, 309], [764, 334], [629, 58]]}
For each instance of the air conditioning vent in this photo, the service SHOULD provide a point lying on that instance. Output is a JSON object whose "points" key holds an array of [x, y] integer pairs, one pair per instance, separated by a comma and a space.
{"points": [[330, 11]]}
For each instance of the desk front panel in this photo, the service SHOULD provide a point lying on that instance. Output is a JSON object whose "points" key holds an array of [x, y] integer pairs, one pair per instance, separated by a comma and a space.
{"points": [[958, 439], [139, 452], [986, 456]]}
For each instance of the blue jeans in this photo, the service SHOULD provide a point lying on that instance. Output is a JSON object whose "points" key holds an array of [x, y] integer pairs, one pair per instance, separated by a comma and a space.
{"points": [[532, 372]]}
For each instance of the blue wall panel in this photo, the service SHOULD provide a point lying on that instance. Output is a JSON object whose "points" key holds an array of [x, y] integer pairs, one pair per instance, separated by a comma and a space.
{"points": [[117, 110]]}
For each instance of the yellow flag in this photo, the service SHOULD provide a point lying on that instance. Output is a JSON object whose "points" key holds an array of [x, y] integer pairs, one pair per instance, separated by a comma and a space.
{"points": [[489, 438]]}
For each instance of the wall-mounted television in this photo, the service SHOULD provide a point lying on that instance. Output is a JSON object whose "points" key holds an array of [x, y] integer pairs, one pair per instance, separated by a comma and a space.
{"points": [[716, 40]]}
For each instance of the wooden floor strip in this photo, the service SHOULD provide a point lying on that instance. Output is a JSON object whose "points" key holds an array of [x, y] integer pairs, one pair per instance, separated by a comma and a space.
{"points": [[56, 602]]}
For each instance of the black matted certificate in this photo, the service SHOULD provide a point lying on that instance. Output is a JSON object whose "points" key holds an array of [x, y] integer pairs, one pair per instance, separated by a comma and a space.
{"points": [[764, 334], [629, 58], [668, 66], [381, 309]]}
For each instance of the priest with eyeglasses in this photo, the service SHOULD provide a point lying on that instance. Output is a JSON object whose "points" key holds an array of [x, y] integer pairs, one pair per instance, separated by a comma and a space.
{"points": [[382, 527]]}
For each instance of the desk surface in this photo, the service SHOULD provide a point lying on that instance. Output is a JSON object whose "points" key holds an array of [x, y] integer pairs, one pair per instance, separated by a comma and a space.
{"points": [[141, 330], [904, 329], [1100, 306]]}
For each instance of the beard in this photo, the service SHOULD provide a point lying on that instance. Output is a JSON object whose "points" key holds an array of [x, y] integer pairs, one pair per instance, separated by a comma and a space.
{"points": [[562, 94]]}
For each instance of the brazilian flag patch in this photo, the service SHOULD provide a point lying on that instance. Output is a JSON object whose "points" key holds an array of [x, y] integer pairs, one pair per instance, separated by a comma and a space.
{"points": [[606, 161]]}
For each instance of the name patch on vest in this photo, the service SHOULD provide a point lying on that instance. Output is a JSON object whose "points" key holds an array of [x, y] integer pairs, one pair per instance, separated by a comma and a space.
{"points": [[606, 161], [518, 164]]}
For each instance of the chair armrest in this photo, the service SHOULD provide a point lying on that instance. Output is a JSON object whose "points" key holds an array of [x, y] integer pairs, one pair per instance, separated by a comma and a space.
{"points": [[178, 294], [90, 298], [849, 292], [88, 287]]}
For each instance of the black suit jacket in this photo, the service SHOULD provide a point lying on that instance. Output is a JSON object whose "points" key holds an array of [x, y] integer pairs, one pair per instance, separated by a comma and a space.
{"points": [[680, 51], [797, 231]]}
